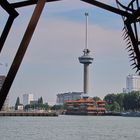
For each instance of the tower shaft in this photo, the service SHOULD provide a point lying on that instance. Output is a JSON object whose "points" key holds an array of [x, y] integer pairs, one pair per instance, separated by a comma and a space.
{"points": [[86, 79]]}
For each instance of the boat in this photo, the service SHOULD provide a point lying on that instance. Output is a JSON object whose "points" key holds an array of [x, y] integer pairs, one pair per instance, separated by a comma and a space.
{"points": [[130, 114]]}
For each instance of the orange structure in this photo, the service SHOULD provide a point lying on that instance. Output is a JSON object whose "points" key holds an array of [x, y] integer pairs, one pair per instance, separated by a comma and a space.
{"points": [[85, 106]]}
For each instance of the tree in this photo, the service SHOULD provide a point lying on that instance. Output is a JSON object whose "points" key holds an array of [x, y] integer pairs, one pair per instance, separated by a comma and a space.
{"points": [[40, 100], [46, 106], [96, 98], [120, 99], [134, 104], [110, 98], [107, 107], [115, 107], [26, 107], [57, 107], [126, 101], [17, 103]]}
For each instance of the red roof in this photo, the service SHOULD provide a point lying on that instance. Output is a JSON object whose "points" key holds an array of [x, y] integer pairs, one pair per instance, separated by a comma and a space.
{"points": [[80, 101], [101, 101]]}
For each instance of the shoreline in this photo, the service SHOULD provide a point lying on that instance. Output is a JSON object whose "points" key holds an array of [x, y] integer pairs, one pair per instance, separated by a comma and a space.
{"points": [[45, 114]]}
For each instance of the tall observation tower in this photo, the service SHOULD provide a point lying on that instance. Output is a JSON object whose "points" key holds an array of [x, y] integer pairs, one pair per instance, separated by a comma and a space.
{"points": [[86, 59]]}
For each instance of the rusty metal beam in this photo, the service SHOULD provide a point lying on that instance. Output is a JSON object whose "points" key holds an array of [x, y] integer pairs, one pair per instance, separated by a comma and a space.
{"points": [[21, 51]]}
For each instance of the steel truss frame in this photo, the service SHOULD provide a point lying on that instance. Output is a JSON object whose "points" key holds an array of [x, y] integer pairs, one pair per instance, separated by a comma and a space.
{"points": [[129, 13]]}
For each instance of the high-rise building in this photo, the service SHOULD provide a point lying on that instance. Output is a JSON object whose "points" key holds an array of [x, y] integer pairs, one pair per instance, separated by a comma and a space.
{"points": [[27, 98], [132, 83], [63, 97], [6, 103], [86, 60]]}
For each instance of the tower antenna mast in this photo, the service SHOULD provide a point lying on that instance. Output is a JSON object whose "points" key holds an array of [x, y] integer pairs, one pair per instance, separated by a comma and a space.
{"points": [[86, 32]]}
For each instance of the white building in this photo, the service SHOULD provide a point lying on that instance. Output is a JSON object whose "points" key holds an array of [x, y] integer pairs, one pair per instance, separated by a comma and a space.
{"points": [[132, 83], [20, 107], [27, 98], [6, 103], [62, 97]]}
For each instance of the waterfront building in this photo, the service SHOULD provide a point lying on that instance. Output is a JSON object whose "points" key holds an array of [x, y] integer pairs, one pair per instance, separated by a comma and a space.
{"points": [[34, 102], [62, 97], [27, 98], [20, 107], [85, 106], [6, 103], [132, 83]]}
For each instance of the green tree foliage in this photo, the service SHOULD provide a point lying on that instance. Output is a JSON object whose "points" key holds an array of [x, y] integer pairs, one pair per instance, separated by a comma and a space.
{"points": [[58, 107], [39, 105], [17, 103], [123, 101], [96, 98], [40, 100], [110, 98], [120, 100], [108, 107], [132, 101], [115, 107], [46, 106]]}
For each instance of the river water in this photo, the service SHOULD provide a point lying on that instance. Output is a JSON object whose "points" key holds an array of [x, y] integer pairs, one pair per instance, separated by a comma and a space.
{"points": [[70, 128]]}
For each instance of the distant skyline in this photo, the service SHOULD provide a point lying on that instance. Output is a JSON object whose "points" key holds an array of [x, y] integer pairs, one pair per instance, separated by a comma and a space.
{"points": [[51, 64]]}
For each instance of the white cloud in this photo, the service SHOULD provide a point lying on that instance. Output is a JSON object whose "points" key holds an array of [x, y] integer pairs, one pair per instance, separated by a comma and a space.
{"points": [[65, 37]]}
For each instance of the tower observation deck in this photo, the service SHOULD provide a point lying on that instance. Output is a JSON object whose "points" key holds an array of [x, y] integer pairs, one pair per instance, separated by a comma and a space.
{"points": [[86, 60]]}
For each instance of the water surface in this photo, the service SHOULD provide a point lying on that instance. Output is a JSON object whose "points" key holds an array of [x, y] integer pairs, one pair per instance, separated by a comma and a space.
{"points": [[70, 128]]}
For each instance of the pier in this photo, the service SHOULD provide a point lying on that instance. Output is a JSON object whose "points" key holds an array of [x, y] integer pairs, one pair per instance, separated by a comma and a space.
{"points": [[46, 114]]}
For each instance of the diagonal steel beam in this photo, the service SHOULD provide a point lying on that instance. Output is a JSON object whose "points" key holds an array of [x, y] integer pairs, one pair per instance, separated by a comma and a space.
{"points": [[127, 8], [9, 8], [107, 7], [6, 31], [133, 17], [21, 51], [12, 15]]}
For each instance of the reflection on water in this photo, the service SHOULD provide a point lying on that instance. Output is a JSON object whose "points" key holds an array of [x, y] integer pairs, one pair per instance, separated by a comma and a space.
{"points": [[70, 128]]}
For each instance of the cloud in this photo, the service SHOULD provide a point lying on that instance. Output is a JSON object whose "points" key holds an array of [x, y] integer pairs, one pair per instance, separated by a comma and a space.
{"points": [[58, 36], [65, 37]]}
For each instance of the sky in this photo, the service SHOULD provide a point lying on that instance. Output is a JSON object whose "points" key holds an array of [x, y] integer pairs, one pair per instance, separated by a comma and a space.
{"points": [[51, 65]]}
